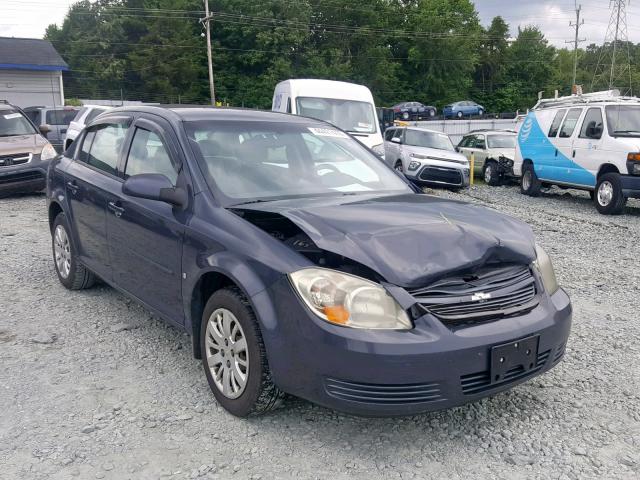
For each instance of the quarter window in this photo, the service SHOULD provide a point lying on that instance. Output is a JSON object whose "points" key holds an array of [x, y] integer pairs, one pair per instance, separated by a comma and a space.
{"points": [[60, 117], [570, 122], [555, 125], [148, 154], [593, 117]]}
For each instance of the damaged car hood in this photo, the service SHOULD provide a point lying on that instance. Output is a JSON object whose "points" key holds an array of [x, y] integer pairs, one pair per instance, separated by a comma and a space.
{"points": [[410, 239]]}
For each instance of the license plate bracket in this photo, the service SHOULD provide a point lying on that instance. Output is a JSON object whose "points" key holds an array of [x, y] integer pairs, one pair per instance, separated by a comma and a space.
{"points": [[521, 353]]}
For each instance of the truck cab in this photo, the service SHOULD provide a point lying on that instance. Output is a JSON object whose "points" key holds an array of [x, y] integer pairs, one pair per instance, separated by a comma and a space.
{"points": [[346, 105]]}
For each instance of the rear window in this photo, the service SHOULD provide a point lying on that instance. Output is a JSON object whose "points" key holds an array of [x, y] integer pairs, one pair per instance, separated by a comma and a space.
{"points": [[60, 117], [555, 125]]}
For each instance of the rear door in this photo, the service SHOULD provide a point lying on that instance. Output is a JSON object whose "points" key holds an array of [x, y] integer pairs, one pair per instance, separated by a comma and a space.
{"points": [[92, 181], [145, 236]]}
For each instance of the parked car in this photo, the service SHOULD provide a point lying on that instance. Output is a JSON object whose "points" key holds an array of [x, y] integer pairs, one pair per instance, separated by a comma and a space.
{"points": [[24, 153], [589, 142], [463, 109], [493, 152], [84, 116], [350, 290], [426, 157], [52, 122], [414, 111], [346, 105]]}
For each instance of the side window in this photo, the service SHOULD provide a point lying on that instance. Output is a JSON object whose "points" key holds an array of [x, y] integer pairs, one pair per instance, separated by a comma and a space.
{"points": [[148, 154], [593, 118], [466, 142], [60, 117], [570, 122], [480, 142], [105, 148], [555, 125]]}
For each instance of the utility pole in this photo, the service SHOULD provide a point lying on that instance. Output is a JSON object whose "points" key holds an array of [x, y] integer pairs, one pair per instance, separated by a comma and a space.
{"points": [[207, 21], [577, 40]]}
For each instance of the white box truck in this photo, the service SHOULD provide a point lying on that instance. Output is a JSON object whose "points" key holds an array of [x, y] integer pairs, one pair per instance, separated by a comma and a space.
{"points": [[346, 105]]}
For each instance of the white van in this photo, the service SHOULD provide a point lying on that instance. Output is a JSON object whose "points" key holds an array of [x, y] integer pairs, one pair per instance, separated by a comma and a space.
{"points": [[346, 105], [589, 142]]}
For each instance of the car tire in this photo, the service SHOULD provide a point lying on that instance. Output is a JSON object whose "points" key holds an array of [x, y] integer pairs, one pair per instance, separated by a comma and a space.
{"points": [[459, 114], [432, 113], [529, 183], [609, 198], [480, 112], [405, 115], [258, 394], [71, 273], [490, 174]]}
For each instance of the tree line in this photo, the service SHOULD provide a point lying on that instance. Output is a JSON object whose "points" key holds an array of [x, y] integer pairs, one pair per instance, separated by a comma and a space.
{"points": [[432, 51]]}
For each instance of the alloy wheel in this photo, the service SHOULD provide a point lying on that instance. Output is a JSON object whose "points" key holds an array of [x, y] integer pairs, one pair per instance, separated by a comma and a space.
{"points": [[605, 193], [227, 353], [398, 167], [488, 173], [62, 251], [526, 180]]}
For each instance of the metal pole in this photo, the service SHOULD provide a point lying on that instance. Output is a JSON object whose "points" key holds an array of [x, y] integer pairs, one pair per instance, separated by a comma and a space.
{"points": [[207, 20], [576, 41], [615, 44]]}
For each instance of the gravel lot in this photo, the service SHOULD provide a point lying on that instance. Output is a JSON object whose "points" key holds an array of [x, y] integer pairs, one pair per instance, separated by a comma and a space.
{"points": [[92, 387]]}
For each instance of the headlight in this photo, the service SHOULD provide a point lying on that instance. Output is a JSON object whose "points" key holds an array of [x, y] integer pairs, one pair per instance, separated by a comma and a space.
{"points": [[414, 165], [378, 149], [48, 152], [347, 300], [543, 264]]}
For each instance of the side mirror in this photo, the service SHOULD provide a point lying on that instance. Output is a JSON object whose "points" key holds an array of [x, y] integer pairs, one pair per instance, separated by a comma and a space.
{"points": [[44, 129], [594, 130], [396, 140], [154, 186]]}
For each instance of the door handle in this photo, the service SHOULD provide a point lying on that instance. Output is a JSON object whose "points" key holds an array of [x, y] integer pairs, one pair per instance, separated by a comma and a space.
{"points": [[73, 186], [556, 152], [574, 154], [117, 210]]}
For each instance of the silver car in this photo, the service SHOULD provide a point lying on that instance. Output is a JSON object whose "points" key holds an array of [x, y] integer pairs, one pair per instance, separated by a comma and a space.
{"points": [[493, 152], [426, 157]]}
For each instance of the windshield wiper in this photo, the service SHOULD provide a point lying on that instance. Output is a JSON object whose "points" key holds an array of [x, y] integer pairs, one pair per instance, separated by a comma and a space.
{"points": [[259, 200]]}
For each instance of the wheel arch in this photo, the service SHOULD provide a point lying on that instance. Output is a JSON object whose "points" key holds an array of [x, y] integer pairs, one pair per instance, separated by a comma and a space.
{"points": [[607, 168], [55, 209]]}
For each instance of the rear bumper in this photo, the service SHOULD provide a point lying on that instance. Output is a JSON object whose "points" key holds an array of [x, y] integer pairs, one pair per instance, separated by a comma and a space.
{"points": [[391, 373], [630, 185], [30, 177]]}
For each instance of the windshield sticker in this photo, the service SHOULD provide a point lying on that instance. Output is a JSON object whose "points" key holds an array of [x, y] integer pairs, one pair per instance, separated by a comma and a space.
{"points": [[327, 132], [13, 115]]}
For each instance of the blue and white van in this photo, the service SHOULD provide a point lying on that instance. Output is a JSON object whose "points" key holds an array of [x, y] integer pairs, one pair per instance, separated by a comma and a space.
{"points": [[589, 142]]}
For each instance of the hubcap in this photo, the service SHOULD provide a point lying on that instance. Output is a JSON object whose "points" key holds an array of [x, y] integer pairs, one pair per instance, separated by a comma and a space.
{"points": [[488, 173], [62, 251], [605, 193], [526, 180], [227, 354]]}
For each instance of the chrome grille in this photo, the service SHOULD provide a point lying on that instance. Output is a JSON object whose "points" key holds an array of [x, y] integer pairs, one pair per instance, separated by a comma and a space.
{"points": [[14, 159], [487, 294]]}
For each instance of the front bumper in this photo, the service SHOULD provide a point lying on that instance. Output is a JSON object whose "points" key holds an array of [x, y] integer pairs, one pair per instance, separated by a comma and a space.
{"points": [[630, 185], [29, 177], [389, 373], [441, 174]]}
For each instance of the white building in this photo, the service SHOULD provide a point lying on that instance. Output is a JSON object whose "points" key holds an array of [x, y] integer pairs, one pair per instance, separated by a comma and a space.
{"points": [[30, 72]]}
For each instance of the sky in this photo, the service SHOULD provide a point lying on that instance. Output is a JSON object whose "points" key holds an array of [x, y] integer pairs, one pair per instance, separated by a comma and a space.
{"points": [[30, 18]]}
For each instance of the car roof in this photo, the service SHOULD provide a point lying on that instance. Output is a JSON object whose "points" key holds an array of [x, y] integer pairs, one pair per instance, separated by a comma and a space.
{"points": [[199, 112], [491, 131], [420, 129]]}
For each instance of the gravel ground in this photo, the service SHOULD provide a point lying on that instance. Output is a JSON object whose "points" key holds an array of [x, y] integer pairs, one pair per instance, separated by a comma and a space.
{"points": [[93, 387]]}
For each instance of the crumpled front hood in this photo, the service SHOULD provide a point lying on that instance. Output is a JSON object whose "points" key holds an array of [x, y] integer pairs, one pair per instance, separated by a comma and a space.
{"points": [[510, 153], [410, 240]]}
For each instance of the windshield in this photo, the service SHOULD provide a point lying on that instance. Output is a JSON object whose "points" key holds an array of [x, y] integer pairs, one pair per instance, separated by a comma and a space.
{"points": [[502, 141], [418, 138], [349, 115], [250, 161], [623, 120], [12, 122]]}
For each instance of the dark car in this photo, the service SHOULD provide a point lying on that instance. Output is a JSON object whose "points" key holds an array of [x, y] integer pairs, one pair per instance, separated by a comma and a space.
{"points": [[301, 263], [414, 111], [24, 153]]}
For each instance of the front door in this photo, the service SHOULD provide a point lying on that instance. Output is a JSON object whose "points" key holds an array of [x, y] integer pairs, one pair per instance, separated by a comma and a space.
{"points": [[145, 236], [588, 154], [91, 183]]}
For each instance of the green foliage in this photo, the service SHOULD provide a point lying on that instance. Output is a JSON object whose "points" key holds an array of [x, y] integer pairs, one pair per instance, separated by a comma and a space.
{"points": [[433, 51], [72, 102]]}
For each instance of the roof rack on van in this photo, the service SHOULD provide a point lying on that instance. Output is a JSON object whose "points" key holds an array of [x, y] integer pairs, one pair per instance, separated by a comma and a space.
{"points": [[605, 96], [505, 130]]}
